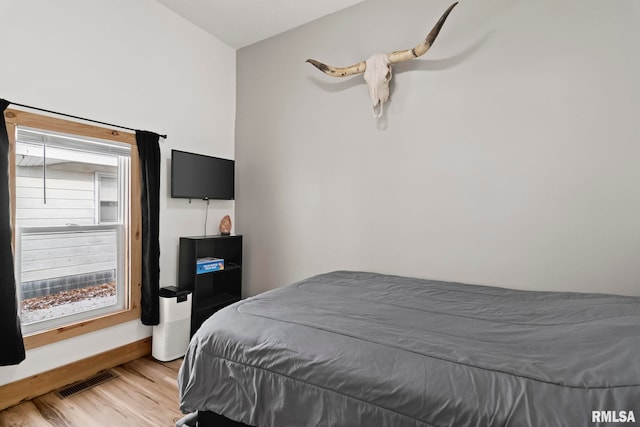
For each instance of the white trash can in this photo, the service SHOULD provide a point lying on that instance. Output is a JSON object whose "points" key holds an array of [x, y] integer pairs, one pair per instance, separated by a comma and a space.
{"points": [[171, 336]]}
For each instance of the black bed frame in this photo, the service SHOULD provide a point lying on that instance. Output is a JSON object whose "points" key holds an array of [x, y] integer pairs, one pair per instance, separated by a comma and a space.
{"points": [[211, 419]]}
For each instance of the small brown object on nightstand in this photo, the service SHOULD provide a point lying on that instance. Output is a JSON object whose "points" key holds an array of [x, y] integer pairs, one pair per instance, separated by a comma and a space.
{"points": [[225, 225]]}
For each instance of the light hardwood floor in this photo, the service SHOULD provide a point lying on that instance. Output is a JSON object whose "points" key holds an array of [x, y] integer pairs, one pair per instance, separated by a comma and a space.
{"points": [[144, 394]]}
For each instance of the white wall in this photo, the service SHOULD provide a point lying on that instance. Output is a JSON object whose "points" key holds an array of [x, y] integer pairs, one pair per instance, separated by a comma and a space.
{"points": [[133, 63], [508, 154]]}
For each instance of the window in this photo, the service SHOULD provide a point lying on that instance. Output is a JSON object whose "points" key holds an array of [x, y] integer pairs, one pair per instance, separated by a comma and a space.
{"points": [[106, 198], [75, 229]]}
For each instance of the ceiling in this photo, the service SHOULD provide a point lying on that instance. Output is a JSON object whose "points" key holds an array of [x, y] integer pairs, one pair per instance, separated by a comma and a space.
{"points": [[240, 23]]}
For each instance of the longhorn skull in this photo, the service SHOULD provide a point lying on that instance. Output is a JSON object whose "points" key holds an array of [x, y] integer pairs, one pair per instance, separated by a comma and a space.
{"points": [[377, 69]]}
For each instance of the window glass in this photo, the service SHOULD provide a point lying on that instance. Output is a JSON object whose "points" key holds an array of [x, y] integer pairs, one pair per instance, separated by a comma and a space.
{"points": [[71, 227]]}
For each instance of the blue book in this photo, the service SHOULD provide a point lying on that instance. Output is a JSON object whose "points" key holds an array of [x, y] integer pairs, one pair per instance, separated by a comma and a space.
{"points": [[209, 264]]}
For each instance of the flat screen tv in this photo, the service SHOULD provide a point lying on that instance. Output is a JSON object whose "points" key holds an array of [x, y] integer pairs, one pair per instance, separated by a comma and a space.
{"points": [[196, 176]]}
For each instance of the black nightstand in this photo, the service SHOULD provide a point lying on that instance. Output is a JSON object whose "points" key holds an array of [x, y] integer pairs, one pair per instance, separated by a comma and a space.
{"points": [[212, 290]]}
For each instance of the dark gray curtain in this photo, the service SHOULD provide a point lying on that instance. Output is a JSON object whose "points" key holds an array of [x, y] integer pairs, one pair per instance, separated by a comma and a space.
{"points": [[11, 344], [149, 152]]}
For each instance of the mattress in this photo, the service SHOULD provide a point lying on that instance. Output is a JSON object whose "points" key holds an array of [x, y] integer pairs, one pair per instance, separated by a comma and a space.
{"points": [[364, 349]]}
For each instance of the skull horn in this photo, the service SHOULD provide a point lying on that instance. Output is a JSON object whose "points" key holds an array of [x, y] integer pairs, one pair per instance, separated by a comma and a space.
{"points": [[422, 48], [338, 72], [394, 57]]}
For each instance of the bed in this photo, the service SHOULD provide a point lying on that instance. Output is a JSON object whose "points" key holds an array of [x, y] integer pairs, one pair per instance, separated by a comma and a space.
{"points": [[364, 349]]}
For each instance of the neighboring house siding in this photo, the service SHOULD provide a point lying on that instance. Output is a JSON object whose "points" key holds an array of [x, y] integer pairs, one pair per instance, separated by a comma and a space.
{"points": [[67, 254], [69, 197], [67, 260], [60, 262]]}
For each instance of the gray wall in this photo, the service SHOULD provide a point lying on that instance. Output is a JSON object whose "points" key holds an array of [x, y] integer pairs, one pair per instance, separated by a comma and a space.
{"points": [[508, 154]]}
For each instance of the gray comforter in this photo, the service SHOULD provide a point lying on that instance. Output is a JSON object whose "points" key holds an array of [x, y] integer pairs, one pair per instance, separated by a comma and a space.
{"points": [[364, 349]]}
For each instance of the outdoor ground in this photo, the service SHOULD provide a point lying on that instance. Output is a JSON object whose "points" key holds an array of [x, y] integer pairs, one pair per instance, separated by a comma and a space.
{"points": [[68, 302]]}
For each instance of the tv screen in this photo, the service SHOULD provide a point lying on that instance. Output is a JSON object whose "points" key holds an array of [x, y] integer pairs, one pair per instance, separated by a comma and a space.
{"points": [[196, 176]]}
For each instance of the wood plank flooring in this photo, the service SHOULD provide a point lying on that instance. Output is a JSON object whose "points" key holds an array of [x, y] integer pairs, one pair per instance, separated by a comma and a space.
{"points": [[145, 393]]}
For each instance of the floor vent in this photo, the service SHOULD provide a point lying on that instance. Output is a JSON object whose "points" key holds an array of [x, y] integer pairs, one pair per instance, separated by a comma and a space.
{"points": [[81, 386]]}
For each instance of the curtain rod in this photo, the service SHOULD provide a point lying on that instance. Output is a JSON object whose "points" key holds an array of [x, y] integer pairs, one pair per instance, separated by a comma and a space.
{"points": [[79, 118]]}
